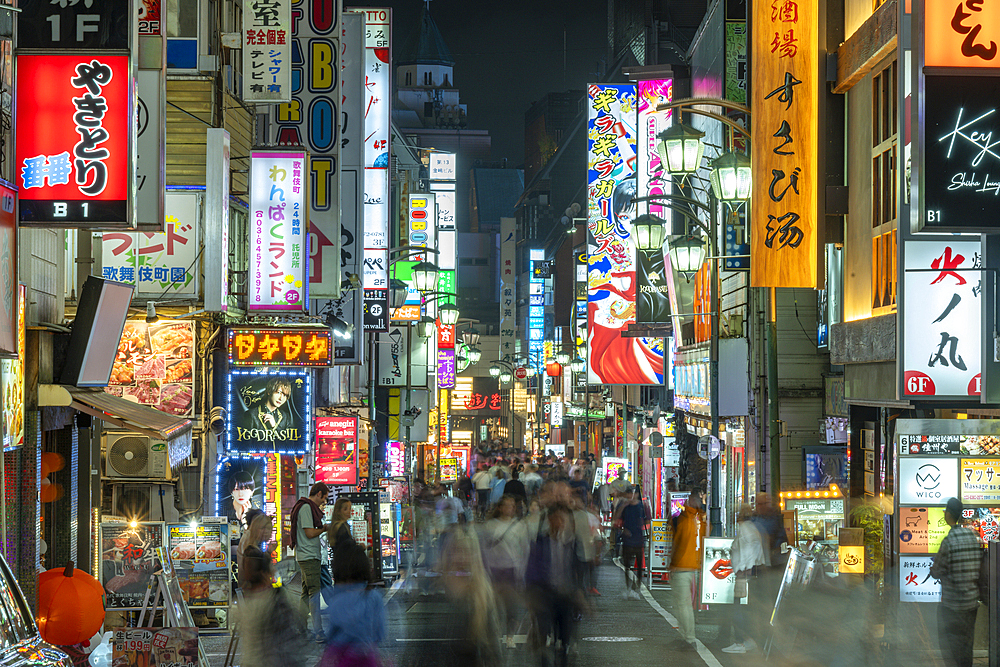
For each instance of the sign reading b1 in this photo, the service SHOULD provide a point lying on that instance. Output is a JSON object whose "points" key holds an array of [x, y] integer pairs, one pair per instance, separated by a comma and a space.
{"points": [[85, 24], [927, 481]]}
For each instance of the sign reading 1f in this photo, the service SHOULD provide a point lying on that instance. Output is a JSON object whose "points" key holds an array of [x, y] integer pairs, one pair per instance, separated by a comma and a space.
{"points": [[74, 24]]}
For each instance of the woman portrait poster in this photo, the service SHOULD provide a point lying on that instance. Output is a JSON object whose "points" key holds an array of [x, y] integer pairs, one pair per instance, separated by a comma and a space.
{"points": [[240, 487]]}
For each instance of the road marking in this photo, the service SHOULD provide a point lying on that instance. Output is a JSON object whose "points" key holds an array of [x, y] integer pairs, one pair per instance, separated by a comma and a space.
{"points": [[612, 639], [518, 639], [703, 651]]}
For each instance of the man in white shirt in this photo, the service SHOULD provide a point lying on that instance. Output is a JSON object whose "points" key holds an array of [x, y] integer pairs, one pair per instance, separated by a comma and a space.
{"points": [[481, 480]]}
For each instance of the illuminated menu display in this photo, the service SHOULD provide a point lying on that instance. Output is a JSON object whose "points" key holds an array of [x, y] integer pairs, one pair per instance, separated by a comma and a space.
{"points": [[280, 347]]}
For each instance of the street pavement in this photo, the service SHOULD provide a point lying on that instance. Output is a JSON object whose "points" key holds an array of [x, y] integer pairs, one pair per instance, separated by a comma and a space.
{"points": [[637, 633]]}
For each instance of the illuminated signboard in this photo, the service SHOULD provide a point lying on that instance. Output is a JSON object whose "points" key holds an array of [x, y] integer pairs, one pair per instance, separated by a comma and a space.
{"points": [[980, 481], [422, 224], [104, 24], [336, 450], [268, 411], [954, 34], [449, 470], [280, 347], [239, 486], [395, 458], [278, 225], [653, 297], [267, 51], [446, 369], [74, 140]]}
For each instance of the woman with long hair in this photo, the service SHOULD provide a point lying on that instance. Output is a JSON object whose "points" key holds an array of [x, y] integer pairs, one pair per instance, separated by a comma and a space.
{"points": [[270, 624], [339, 532], [258, 535], [468, 589], [506, 542]]}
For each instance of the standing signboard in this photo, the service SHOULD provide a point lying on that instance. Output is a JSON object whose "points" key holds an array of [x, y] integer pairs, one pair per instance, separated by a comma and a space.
{"points": [[366, 525], [200, 554], [128, 561], [267, 51], [718, 580], [269, 411], [661, 540]]}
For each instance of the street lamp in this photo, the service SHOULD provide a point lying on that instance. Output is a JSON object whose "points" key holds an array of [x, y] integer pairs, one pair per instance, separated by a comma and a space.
{"points": [[495, 371], [687, 253], [577, 365], [505, 376], [474, 354], [681, 148], [448, 314], [562, 357], [730, 177], [471, 337], [397, 293], [425, 276], [426, 327], [649, 232]]}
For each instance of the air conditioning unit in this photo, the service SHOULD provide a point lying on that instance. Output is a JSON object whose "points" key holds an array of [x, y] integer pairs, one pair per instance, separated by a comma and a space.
{"points": [[143, 502], [135, 456]]}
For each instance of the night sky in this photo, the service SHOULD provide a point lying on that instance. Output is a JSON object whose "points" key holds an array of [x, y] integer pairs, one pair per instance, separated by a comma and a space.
{"points": [[509, 54]]}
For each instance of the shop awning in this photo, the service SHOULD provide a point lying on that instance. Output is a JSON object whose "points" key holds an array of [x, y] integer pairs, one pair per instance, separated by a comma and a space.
{"points": [[174, 431]]}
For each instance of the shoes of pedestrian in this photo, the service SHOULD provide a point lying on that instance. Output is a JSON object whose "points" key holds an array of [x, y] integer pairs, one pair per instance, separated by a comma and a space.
{"points": [[735, 648], [634, 595]]}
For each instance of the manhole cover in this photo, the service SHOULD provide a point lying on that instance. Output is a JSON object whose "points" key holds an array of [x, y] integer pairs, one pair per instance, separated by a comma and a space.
{"points": [[612, 639]]}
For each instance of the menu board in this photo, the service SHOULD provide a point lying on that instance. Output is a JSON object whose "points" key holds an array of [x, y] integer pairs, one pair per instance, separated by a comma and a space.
{"points": [[449, 470], [662, 537], [155, 366], [921, 529], [200, 556], [915, 581], [718, 580], [979, 481], [155, 647], [128, 561]]}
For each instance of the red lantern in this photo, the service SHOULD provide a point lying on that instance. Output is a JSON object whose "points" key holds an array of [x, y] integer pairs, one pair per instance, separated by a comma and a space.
{"points": [[553, 369], [70, 606]]}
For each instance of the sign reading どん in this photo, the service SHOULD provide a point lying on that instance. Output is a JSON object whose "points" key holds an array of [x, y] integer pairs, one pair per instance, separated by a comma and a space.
{"points": [[267, 51], [74, 140], [961, 33], [785, 228], [278, 227], [280, 347]]}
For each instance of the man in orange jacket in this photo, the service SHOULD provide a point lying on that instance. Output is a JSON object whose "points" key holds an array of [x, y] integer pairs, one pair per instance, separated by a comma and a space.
{"points": [[685, 564]]}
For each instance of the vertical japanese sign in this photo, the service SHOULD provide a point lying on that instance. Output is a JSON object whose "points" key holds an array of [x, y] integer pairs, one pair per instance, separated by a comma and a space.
{"points": [[8, 272], [378, 100], [217, 154], [652, 278], [278, 226], [785, 224], [508, 322], [159, 264], [150, 163], [74, 140], [537, 270], [393, 364], [446, 369], [736, 61], [422, 226], [942, 319], [611, 177], [312, 119], [336, 450], [267, 51]]}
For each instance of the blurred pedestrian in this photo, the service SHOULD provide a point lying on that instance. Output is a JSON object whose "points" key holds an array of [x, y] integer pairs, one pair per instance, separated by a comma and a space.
{"points": [[497, 485], [258, 535], [685, 564], [632, 518], [515, 487], [271, 625], [338, 533], [471, 626], [506, 550], [357, 614], [579, 484], [532, 481], [747, 554], [956, 565], [481, 480], [307, 526], [464, 487]]}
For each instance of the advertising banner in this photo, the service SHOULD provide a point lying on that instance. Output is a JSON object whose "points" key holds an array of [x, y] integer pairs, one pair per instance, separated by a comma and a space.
{"points": [[449, 470], [508, 321], [446, 369], [393, 366], [662, 537], [239, 486], [980, 481], [652, 279], [718, 580], [8, 273], [422, 224], [925, 481], [915, 581], [159, 265], [200, 555], [267, 51], [336, 450], [74, 140], [609, 470], [941, 315], [611, 176], [155, 366], [128, 561], [274, 346], [785, 230], [278, 226], [736, 61], [921, 529], [313, 119], [162, 647], [269, 411], [12, 378]]}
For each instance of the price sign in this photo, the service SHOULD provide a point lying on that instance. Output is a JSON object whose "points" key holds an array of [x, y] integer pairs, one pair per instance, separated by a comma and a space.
{"points": [[280, 347]]}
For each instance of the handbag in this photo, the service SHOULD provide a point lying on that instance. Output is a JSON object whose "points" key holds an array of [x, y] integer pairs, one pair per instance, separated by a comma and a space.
{"points": [[740, 591]]}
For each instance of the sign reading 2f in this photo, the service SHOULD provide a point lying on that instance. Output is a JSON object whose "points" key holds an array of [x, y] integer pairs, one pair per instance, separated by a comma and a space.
{"points": [[79, 24]]}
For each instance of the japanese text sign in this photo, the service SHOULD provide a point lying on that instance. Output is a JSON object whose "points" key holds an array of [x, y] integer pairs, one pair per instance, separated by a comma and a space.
{"points": [[921, 529], [443, 166], [76, 24], [281, 347], [268, 411], [313, 119], [422, 224], [784, 218], [278, 226], [961, 33], [336, 450], [508, 320], [155, 366], [611, 178], [927, 480], [932, 444], [158, 264], [267, 51], [915, 581], [446, 336], [980, 481], [941, 319], [74, 140], [128, 562], [446, 369]]}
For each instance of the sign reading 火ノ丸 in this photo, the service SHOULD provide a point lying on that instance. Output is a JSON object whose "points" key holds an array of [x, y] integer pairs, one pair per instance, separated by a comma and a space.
{"points": [[74, 140], [940, 345], [278, 226], [267, 51], [785, 220]]}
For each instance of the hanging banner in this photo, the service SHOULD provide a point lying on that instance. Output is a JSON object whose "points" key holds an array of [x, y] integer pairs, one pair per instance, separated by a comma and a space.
{"points": [[785, 228], [269, 411], [446, 369], [74, 140], [278, 226], [8, 273], [267, 51], [150, 162], [611, 176], [336, 450], [312, 119], [393, 366], [12, 379], [652, 278], [941, 315], [159, 264], [736, 61], [508, 321]]}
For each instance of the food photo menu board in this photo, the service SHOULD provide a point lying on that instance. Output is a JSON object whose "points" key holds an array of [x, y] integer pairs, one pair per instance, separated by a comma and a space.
{"points": [[155, 366], [200, 554], [128, 561]]}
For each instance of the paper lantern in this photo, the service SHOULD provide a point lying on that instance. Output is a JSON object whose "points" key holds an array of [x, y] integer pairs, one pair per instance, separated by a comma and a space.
{"points": [[70, 606]]}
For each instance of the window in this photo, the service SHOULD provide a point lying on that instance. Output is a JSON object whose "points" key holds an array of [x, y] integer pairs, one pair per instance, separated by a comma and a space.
{"points": [[428, 109], [428, 81], [885, 187], [409, 78], [182, 34]]}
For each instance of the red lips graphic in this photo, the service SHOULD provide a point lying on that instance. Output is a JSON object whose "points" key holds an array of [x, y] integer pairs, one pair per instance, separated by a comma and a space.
{"points": [[722, 569]]}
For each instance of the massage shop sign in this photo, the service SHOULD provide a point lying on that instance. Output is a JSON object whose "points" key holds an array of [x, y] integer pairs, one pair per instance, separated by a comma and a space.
{"points": [[278, 227]]}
